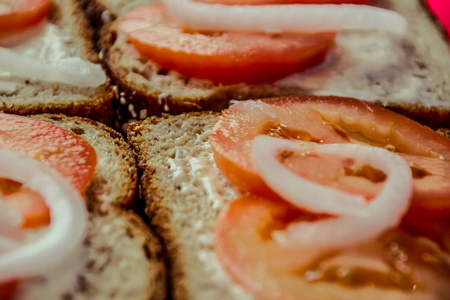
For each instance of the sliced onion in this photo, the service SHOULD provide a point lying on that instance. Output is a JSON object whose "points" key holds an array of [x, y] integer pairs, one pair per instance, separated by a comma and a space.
{"points": [[383, 212], [295, 189], [66, 230], [277, 18], [72, 70]]}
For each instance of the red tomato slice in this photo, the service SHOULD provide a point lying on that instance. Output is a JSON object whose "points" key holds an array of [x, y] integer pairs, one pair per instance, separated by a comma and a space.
{"points": [[16, 15], [270, 271], [266, 2], [7, 289], [222, 57], [62, 150], [317, 119]]}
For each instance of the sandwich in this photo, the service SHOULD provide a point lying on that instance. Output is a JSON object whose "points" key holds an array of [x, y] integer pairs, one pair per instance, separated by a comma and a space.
{"points": [[49, 63], [107, 251], [406, 71], [234, 219]]}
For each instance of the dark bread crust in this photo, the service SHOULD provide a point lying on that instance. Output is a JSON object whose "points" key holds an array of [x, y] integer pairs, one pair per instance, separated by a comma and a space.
{"points": [[43, 97]]}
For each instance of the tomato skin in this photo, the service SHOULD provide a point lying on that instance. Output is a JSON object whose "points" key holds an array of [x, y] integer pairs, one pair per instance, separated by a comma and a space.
{"points": [[225, 58], [8, 289], [32, 13]]}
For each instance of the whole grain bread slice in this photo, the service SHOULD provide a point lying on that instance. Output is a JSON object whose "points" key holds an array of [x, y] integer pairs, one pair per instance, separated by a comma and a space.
{"points": [[121, 258], [35, 97], [408, 74], [185, 192]]}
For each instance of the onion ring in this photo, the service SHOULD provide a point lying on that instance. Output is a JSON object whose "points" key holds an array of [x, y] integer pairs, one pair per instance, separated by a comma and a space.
{"points": [[66, 230], [312, 196], [72, 70], [383, 212], [290, 17]]}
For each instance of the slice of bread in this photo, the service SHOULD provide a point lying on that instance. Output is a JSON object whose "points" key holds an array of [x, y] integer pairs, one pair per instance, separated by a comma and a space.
{"points": [[408, 74], [185, 193], [34, 97], [121, 258]]}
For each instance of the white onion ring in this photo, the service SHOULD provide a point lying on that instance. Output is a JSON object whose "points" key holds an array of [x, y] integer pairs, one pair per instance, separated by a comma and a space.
{"points": [[71, 70], [66, 230], [383, 212], [295, 189], [277, 18]]}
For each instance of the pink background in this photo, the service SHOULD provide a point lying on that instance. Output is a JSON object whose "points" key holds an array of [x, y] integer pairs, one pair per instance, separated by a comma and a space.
{"points": [[442, 9]]}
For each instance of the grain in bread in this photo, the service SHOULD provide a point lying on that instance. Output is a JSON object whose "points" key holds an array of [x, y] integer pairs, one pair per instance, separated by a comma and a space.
{"points": [[121, 258], [409, 74], [34, 97]]}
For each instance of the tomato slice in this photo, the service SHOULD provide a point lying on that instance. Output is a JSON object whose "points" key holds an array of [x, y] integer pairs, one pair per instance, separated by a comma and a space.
{"points": [[317, 119], [334, 120], [67, 153], [29, 204], [222, 57], [62, 150], [270, 271], [16, 15]]}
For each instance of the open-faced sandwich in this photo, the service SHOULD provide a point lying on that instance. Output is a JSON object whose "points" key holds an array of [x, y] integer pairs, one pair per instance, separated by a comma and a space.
{"points": [[298, 198], [184, 55], [66, 184], [48, 63]]}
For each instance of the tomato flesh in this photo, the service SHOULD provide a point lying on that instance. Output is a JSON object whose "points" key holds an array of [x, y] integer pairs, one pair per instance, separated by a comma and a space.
{"points": [[31, 206], [16, 15], [222, 57], [270, 271], [62, 150], [65, 152], [7, 289]]}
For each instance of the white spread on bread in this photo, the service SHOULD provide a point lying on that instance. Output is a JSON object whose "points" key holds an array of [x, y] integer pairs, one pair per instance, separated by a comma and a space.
{"points": [[370, 66], [44, 43], [187, 169]]}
